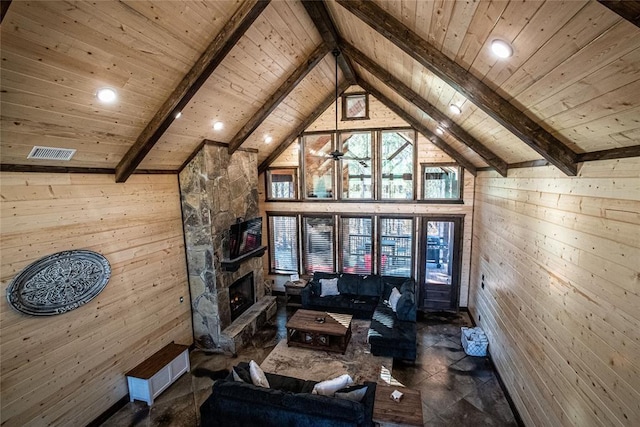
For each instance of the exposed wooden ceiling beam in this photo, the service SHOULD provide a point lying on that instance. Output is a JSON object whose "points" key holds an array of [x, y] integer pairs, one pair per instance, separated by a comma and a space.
{"points": [[438, 142], [221, 45], [509, 116], [319, 14], [405, 91], [279, 96], [326, 103], [4, 8], [613, 153], [627, 9]]}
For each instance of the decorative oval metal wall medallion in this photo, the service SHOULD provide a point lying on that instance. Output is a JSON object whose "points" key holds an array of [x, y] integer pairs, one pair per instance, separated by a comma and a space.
{"points": [[59, 283]]}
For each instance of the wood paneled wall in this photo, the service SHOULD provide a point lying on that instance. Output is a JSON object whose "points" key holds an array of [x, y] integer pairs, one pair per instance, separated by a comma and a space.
{"points": [[68, 369], [560, 258]]}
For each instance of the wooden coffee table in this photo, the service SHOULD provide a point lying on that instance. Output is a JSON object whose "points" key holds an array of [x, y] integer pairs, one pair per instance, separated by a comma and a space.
{"points": [[319, 330], [387, 412]]}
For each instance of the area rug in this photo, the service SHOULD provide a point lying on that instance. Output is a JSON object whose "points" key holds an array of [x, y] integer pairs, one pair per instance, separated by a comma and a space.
{"points": [[320, 365]]}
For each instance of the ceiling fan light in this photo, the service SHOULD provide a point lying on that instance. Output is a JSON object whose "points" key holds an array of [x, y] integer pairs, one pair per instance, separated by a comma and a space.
{"points": [[455, 109], [107, 95], [501, 48]]}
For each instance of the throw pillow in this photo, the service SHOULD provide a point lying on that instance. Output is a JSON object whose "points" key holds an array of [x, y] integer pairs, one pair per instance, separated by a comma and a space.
{"points": [[257, 375], [329, 387], [329, 287], [241, 374], [355, 393], [393, 298], [406, 307]]}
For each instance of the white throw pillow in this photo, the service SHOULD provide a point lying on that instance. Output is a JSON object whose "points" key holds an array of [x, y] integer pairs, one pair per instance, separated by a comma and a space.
{"points": [[329, 287], [393, 298], [257, 375], [329, 387]]}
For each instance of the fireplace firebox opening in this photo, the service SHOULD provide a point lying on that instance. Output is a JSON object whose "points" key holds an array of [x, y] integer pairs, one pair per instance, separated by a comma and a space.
{"points": [[241, 295]]}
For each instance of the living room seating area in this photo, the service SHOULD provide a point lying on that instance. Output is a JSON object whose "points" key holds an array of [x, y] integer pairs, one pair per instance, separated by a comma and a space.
{"points": [[388, 301], [456, 389]]}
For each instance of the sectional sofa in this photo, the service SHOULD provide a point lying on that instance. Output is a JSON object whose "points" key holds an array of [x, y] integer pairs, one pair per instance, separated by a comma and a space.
{"points": [[392, 332]]}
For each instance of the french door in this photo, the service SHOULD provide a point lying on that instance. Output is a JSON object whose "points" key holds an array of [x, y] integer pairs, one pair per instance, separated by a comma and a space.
{"points": [[440, 259]]}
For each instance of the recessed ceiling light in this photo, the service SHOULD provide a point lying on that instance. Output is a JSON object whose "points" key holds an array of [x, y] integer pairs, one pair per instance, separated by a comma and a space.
{"points": [[268, 139], [178, 114], [501, 48], [218, 126], [107, 95], [455, 109], [439, 131]]}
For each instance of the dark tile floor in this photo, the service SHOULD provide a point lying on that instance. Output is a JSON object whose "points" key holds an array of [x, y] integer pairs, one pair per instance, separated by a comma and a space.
{"points": [[456, 389]]}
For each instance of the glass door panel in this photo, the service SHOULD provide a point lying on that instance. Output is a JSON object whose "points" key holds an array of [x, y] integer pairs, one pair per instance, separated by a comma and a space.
{"points": [[440, 272]]}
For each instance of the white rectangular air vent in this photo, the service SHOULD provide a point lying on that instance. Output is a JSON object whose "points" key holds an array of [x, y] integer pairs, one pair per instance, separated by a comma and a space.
{"points": [[51, 153]]}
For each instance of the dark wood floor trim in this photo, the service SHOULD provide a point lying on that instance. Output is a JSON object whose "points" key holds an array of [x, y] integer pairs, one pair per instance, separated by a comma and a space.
{"points": [[109, 412], [512, 405]]}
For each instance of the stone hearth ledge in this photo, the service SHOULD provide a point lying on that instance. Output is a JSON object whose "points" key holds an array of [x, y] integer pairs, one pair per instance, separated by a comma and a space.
{"points": [[239, 333]]}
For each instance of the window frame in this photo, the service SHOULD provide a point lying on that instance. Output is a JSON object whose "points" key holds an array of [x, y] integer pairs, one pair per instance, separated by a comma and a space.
{"points": [[424, 197], [373, 162], [296, 180], [304, 239], [379, 183], [271, 243], [303, 167], [413, 219], [372, 238], [345, 108]]}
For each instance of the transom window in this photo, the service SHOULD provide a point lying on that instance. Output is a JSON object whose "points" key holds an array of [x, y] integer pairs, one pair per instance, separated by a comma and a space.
{"points": [[282, 184], [318, 166], [442, 182], [397, 164], [357, 165], [355, 106]]}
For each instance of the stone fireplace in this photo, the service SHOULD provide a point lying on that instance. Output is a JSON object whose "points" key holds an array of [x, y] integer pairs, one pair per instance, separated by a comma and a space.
{"points": [[241, 295], [217, 189]]}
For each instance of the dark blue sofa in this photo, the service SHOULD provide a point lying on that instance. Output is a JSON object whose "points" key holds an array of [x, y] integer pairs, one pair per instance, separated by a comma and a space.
{"points": [[365, 297], [288, 402]]}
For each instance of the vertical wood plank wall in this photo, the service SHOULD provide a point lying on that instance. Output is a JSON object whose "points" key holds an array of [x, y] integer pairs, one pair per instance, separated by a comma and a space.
{"points": [[561, 300], [68, 369]]}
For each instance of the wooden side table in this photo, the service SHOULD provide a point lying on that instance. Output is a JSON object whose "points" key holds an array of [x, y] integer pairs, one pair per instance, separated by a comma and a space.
{"points": [[387, 412], [294, 289]]}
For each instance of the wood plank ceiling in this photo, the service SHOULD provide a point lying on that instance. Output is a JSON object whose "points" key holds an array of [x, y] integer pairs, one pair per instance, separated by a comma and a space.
{"points": [[569, 93]]}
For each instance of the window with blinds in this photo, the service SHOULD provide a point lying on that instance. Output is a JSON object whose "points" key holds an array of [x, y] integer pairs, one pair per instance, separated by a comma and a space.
{"points": [[396, 246], [356, 245], [318, 247], [283, 243], [282, 184]]}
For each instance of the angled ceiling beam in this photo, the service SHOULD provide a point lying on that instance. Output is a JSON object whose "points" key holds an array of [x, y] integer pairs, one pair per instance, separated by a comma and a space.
{"points": [[4, 8], [221, 45], [464, 82], [438, 142], [405, 91], [612, 153], [326, 103], [627, 9], [319, 14], [275, 99]]}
